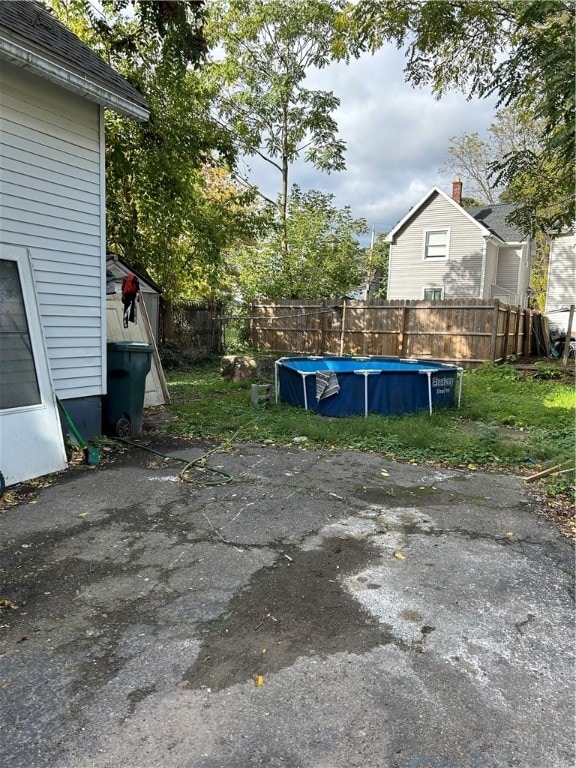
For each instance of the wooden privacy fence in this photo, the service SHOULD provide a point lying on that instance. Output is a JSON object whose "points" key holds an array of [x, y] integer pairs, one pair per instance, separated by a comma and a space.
{"points": [[462, 331], [197, 329]]}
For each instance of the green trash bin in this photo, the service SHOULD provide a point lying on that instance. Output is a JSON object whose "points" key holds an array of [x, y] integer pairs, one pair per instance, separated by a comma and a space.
{"points": [[128, 366]]}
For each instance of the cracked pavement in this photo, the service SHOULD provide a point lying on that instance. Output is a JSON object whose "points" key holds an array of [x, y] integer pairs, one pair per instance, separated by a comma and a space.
{"points": [[323, 610]]}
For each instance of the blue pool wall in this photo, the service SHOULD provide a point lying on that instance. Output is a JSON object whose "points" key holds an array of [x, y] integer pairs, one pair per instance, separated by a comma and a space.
{"points": [[398, 388]]}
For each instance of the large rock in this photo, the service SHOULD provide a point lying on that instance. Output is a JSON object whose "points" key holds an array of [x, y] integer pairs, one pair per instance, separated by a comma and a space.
{"points": [[238, 368], [247, 368]]}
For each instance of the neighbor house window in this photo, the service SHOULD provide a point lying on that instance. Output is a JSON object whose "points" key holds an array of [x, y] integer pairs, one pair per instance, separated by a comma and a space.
{"points": [[436, 243], [432, 294]]}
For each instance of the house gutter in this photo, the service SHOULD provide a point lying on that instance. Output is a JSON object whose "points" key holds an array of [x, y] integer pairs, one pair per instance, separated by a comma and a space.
{"points": [[70, 80]]}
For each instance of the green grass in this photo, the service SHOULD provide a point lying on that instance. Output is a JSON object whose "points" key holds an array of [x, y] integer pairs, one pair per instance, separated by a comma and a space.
{"points": [[506, 421]]}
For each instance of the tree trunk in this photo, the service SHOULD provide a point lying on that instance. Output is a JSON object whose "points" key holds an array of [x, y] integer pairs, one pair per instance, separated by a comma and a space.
{"points": [[167, 320], [283, 206]]}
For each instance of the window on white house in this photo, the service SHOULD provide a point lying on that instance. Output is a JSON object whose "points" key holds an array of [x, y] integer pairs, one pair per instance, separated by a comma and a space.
{"points": [[18, 379], [436, 244], [432, 294]]}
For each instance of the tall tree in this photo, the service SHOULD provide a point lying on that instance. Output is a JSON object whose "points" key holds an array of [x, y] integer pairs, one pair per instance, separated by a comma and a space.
{"points": [[514, 131], [162, 215], [521, 51], [269, 47], [473, 158], [323, 259]]}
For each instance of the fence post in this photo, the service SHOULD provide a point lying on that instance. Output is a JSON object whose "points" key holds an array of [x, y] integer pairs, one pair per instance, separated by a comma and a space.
{"points": [[566, 352], [517, 330], [342, 330], [402, 339], [322, 349], [526, 347], [507, 330], [494, 339]]}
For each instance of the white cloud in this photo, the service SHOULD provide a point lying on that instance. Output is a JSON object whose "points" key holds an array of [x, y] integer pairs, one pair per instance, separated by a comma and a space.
{"points": [[397, 138]]}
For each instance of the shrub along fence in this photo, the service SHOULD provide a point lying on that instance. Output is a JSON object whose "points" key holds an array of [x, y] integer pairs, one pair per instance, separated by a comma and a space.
{"points": [[461, 331]]}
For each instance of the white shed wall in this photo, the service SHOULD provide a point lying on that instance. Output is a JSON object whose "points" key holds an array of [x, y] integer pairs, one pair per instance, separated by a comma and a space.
{"points": [[52, 191], [459, 275]]}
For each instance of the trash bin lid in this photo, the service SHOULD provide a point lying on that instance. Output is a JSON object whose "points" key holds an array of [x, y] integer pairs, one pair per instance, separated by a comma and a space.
{"points": [[129, 346]]}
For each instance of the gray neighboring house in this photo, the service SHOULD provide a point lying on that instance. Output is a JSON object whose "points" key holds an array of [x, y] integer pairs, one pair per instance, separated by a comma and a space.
{"points": [[441, 250], [53, 92]]}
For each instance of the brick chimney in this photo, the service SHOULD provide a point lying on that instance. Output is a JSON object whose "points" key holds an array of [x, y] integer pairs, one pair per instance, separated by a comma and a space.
{"points": [[457, 190]]}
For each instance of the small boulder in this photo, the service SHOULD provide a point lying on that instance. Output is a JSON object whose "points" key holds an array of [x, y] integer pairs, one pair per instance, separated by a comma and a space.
{"points": [[238, 368]]}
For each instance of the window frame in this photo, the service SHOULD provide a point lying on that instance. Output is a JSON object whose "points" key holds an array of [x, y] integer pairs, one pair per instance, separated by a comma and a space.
{"points": [[432, 288], [425, 244]]}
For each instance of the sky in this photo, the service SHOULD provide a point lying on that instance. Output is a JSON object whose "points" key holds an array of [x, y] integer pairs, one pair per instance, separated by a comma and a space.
{"points": [[397, 139]]}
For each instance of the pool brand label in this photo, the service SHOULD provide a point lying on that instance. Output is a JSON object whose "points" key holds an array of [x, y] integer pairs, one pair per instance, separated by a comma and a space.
{"points": [[443, 384]]}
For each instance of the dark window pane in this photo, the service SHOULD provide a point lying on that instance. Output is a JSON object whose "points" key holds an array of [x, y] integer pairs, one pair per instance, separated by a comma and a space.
{"points": [[18, 380]]}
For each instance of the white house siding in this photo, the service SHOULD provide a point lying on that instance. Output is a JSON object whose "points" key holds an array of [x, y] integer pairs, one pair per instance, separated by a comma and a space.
{"points": [[524, 274], [509, 266], [459, 275], [491, 269], [561, 291], [52, 197]]}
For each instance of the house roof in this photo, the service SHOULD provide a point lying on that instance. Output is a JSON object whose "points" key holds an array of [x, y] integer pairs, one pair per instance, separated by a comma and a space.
{"points": [[33, 38], [493, 217], [119, 268], [490, 219]]}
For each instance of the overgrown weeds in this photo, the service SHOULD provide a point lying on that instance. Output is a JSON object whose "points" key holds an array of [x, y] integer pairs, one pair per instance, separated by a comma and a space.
{"points": [[506, 421]]}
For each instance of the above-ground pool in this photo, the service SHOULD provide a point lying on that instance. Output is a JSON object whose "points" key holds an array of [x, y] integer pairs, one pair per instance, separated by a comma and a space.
{"points": [[352, 386]]}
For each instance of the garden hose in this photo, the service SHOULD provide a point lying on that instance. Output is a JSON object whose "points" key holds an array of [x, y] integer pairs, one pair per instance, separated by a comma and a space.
{"points": [[226, 477], [81, 442]]}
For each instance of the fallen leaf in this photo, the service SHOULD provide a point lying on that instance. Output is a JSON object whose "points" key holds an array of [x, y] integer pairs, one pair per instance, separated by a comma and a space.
{"points": [[399, 555], [258, 681], [82, 514], [509, 533]]}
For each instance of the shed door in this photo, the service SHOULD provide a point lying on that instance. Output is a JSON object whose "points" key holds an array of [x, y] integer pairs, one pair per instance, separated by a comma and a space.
{"points": [[31, 442]]}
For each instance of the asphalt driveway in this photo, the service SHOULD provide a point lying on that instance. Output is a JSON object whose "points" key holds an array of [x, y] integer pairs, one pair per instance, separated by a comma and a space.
{"points": [[323, 610]]}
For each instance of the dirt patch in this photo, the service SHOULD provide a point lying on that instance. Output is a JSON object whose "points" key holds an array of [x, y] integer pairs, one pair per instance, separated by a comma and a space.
{"points": [[560, 509]]}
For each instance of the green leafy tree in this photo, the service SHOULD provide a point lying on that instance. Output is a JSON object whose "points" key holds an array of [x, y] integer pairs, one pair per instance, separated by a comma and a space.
{"points": [[269, 48], [515, 131], [323, 259], [377, 265], [162, 213], [521, 51]]}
